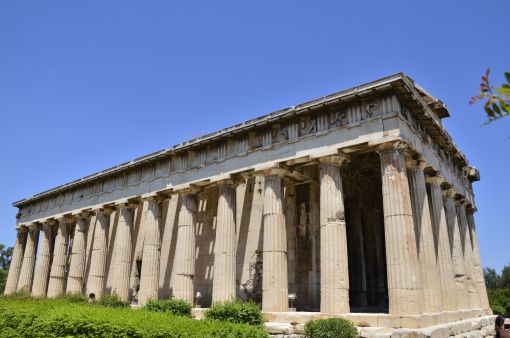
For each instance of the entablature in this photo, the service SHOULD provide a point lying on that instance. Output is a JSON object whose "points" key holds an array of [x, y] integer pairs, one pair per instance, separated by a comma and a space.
{"points": [[344, 114]]}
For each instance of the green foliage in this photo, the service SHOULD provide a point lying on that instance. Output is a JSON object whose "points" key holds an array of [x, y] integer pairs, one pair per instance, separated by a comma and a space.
{"points": [[330, 328], [5, 257], [112, 301], [505, 277], [498, 289], [5, 261], [19, 295], [59, 318], [172, 306], [498, 98], [236, 311], [3, 280], [499, 300], [73, 298], [492, 279]]}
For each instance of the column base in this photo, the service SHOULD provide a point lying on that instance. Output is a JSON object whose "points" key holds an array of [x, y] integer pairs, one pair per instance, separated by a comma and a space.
{"points": [[470, 327]]}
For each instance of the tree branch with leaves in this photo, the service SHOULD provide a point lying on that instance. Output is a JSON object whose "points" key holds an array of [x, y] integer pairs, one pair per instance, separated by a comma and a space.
{"points": [[498, 98]]}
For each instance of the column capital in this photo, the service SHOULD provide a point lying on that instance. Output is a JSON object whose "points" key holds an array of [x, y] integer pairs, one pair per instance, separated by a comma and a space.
{"points": [[225, 182], [66, 219], [449, 193], [337, 159], [436, 179], [280, 172], [191, 190], [416, 163], [460, 200], [33, 226], [106, 209], [82, 214], [127, 203], [22, 228], [49, 222], [392, 146], [150, 196]]}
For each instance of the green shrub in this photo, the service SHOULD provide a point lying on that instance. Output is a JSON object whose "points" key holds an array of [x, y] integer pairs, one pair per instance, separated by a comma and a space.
{"points": [[19, 295], [499, 300], [112, 301], [172, 306], [58, 318], [330, 328], [73, 298], [236, 311]]}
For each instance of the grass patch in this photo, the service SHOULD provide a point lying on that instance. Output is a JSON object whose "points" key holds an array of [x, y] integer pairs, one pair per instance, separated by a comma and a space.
{"points": [[60, 318]]}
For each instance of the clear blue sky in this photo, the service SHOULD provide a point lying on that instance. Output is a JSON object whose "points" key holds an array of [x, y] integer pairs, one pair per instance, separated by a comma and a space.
{"points": [[85, 85]]}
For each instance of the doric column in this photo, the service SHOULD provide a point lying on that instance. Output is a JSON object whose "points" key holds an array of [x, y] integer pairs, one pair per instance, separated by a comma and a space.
{"points": [[77, 260], [168, 242], [27, 269], [224, 279], [149, 276], [333, 259], [454, 229], [444, 258], [95, 279], [467, 250], [184, 266], [57, 282], [290, 224], [16, 261], [42, 267], [478, 270], [122, 252], [274, 266], [430, 282], [401, 255]]}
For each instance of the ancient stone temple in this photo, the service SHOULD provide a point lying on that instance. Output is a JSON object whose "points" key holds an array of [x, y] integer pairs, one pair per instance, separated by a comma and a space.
{"points": [[357, 204]]}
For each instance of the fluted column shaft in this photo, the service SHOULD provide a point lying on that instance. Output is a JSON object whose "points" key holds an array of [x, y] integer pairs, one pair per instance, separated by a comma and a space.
{"points": [[478, 270], [149, 276], [16, 261], [424, 229], [459, 272], [42, 268], [224, 280], [57, 282], [333, 250], [290, 224], [122, 251], [444, 257], [95, 280], [473, 297], [274, 268], [77, 264], [184, 266], [401, 255], [27, 269]]}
